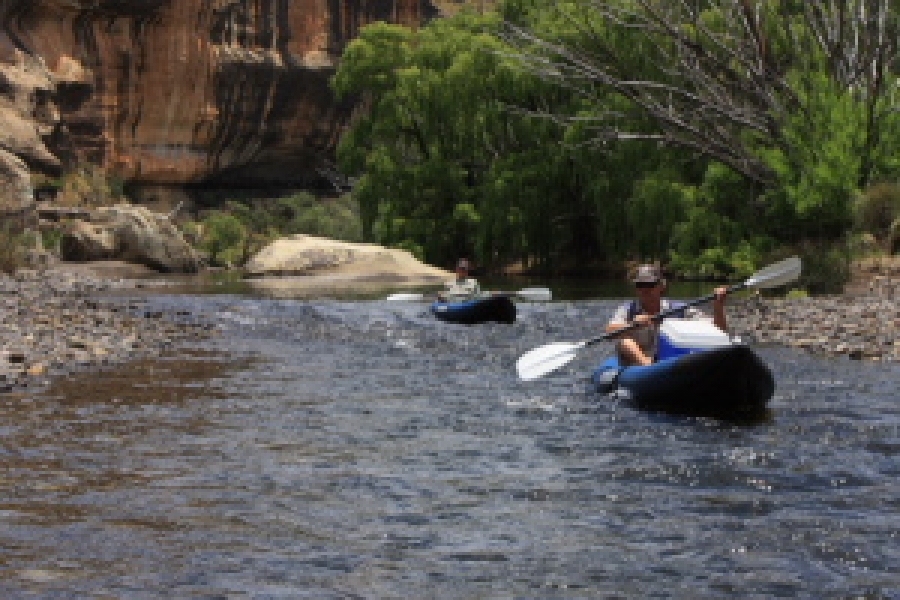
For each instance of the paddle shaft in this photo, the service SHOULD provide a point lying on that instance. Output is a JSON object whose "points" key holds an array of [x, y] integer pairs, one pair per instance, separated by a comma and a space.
{"points": [[529, 293], [665, 314]]}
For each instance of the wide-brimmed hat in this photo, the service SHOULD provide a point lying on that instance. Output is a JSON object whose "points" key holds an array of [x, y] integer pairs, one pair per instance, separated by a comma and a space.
{"points": [[463, 264], [647, 274]]}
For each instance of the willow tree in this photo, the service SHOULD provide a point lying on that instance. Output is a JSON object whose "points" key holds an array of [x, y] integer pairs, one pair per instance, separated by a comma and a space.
{"points": [[798, 97], [449, 159]]}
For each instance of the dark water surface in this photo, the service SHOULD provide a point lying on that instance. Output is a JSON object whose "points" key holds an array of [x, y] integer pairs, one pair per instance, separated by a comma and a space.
{"points": [[326, 449]]}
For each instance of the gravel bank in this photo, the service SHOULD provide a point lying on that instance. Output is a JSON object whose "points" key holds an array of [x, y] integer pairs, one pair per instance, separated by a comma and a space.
{"points": [[57, 322], [864, 324]]}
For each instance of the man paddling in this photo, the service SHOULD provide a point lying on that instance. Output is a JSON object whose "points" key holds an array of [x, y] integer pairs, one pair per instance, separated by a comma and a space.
{"points": [[639, 346], [461, 288]]}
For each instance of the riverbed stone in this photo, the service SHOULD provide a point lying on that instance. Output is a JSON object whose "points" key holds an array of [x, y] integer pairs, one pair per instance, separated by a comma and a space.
{"points": [[862, 325], [56, 321], [53, 322]]}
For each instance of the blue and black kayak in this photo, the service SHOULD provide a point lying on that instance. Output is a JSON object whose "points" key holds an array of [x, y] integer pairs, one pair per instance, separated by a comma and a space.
{"points": [[498, 308], [729, 382]]}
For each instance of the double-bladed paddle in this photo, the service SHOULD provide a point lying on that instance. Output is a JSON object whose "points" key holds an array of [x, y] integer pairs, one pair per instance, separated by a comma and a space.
{"points": [[536, 294], [544, 359]]}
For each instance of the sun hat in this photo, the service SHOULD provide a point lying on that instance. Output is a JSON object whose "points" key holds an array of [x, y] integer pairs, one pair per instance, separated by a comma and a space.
{"points": [[647, 274], [463, 264]]}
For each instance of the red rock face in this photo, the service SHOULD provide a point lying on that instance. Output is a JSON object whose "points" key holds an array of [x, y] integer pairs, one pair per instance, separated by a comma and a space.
{"points": [[183, 91]]}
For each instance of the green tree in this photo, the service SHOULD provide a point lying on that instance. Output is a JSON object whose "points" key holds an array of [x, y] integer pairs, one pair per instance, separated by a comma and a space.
{"points": [[797, 97], [453, 160]]}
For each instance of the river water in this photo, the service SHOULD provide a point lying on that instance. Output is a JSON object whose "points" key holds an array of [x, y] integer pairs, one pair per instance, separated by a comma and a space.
{"points": [[361, 449]]}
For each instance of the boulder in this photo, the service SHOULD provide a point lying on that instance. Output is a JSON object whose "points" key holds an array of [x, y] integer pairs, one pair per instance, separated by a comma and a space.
{"points": [[304, 255], [133, 234], [16, 195], [85, 242]]}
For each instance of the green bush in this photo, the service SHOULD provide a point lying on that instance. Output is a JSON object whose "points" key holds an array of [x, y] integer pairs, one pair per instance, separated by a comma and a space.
{"points": [[241, 225], [50, 239], [876, 209], [223, 238], [826, 266], [266, 219], [336, 218]]}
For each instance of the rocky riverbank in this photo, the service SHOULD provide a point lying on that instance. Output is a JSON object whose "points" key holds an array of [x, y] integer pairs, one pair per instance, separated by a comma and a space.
{"points": [[861, 324], [58, 322]]}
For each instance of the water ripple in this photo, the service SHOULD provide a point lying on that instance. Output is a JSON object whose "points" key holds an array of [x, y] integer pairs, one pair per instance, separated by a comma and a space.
{"points": [[328, 449]]}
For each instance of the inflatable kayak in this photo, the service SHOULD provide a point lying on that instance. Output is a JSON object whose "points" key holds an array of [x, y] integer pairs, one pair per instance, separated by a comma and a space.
{"points": [[498, 308], [700, 372]]}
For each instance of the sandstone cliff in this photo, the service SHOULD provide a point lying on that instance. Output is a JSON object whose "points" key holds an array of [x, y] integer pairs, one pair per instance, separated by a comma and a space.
{"points": [[174, 92]]}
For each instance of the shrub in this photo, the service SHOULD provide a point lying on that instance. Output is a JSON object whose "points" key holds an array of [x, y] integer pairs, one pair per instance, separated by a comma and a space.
{"points": [[88, 185], [826, 266], [223, 238], [876, 209]]}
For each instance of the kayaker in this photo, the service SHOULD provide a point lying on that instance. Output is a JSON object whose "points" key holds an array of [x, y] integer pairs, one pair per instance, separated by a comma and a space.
{"points": [[639, 345], [461, 288]]}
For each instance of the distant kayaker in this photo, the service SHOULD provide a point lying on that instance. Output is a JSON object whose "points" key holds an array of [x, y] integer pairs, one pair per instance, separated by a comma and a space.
{"points": [[461, 288], [639, 346]]}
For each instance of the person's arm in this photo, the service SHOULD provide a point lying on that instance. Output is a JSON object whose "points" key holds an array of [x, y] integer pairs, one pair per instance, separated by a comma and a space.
{"points": [[719, 309], [620, 319], [445, 294]]}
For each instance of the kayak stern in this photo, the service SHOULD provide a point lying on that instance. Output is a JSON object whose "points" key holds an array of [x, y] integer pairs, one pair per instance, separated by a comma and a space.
{"points": [[725, 382]]}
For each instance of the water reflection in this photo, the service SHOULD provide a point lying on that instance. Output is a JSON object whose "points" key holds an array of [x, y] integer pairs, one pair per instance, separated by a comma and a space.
{"points": [[338, 288]]}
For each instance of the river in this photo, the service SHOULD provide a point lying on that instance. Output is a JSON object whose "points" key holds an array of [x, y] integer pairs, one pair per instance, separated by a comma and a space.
{"points": [[361, 449]]}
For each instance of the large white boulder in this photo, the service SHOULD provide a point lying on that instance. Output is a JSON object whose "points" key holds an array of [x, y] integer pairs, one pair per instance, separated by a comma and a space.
{"points": [[336, 262]]}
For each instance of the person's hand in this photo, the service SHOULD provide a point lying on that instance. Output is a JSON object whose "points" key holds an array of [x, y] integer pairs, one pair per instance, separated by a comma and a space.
{"points": [[642, 320]]}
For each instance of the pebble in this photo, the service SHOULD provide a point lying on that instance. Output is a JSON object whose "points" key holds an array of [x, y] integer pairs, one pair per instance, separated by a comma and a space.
{"points": [[54, 322], [864, 325]]}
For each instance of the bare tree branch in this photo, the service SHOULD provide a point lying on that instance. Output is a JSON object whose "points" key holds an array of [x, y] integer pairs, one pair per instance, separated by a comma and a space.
{"points": [[714, 79]]}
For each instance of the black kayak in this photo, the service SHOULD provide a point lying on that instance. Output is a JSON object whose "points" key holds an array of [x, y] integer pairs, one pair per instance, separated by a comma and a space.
{"points": [[729, 382], [498, 308]]}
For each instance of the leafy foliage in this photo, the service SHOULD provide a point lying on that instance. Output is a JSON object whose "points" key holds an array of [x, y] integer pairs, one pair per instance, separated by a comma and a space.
{"points": [[223, 238], [452, 161], [243, 226], [565, 134], [877, 209]]}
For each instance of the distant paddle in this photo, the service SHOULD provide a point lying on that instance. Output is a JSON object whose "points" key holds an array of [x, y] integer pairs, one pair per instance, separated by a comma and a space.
{"points": [[406, 297], [544, 359], [535, 294]]}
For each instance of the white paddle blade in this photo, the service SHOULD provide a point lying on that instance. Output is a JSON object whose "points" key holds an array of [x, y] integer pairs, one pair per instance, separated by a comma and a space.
{"points": [[536, 294], [544, 359], [405, 297], [780, 273]]}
